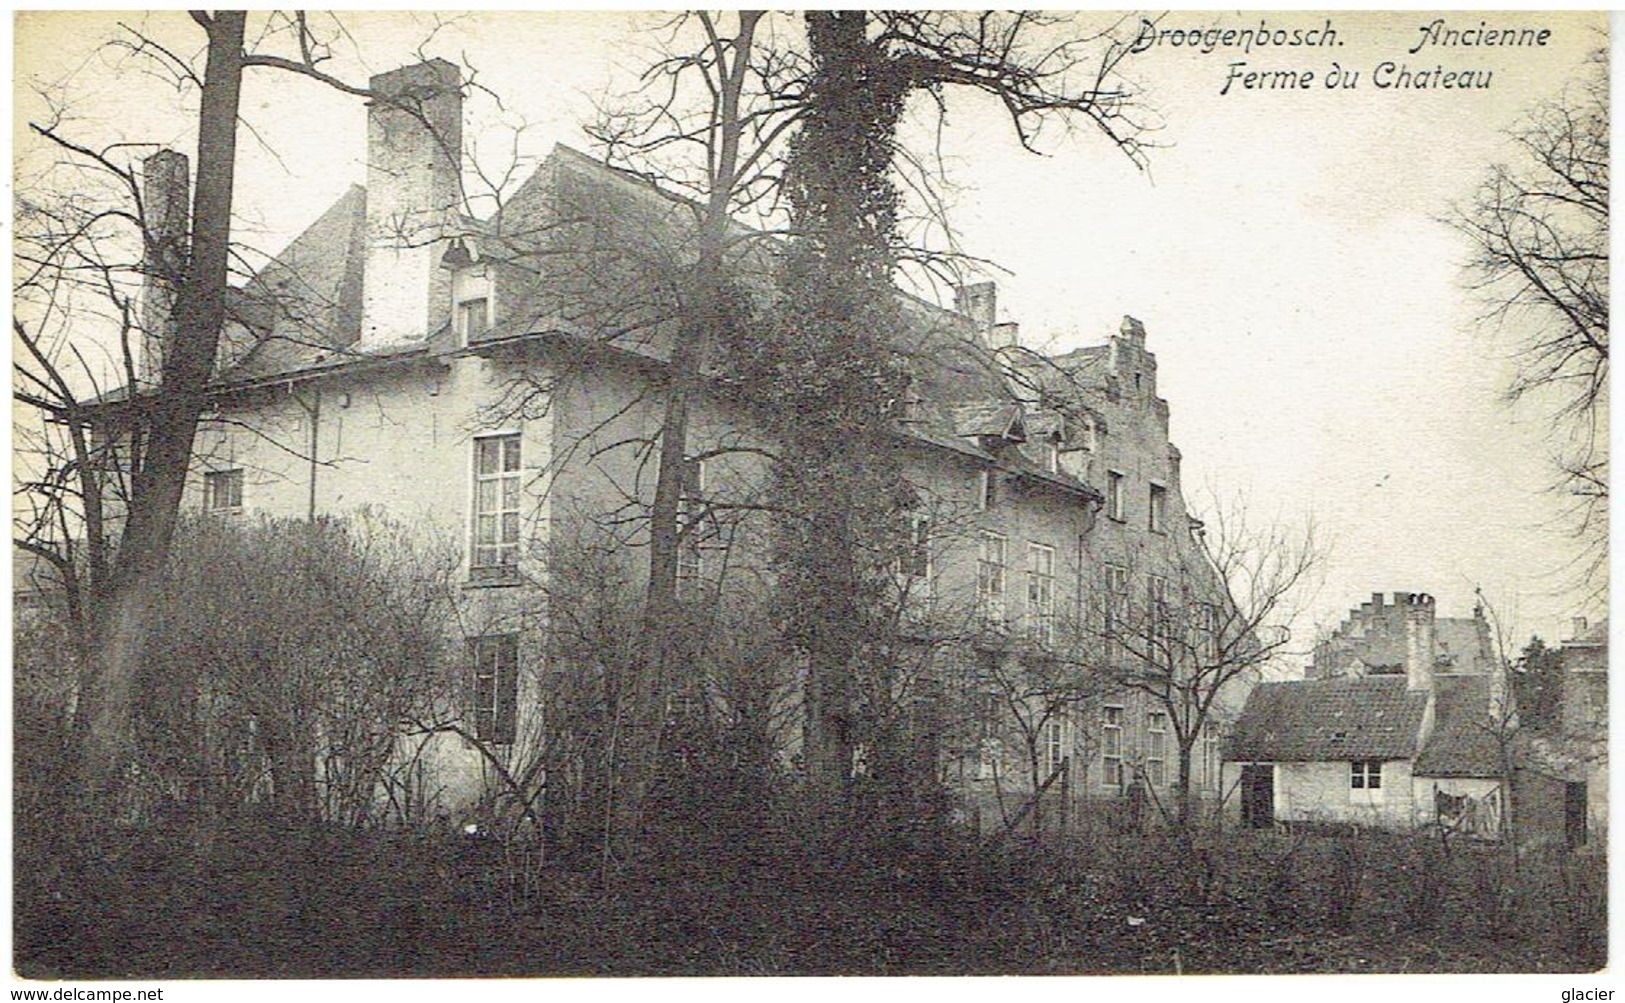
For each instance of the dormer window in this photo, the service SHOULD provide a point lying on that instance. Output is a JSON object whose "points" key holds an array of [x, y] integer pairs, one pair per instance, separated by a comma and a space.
{"points": [[473, 299], [473, 318]]}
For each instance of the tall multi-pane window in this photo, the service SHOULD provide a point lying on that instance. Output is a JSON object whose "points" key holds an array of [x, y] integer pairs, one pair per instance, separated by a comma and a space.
{"points": [[1114, 609], [1156, 748], [1157, 511], [1207, 633], [496, 501], [915, 561], [1156, 619], [1115, 508], [1111, 746], [1210, 754], [1055, 743], [496, 687], [1041, 593], [691, 524], [990, 579]]}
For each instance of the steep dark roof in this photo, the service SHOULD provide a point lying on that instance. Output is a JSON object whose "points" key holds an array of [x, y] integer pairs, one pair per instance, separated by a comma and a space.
{"points": [[592, 253], [986, 418], [1463, 743], [304, 307], [1327, 720]]}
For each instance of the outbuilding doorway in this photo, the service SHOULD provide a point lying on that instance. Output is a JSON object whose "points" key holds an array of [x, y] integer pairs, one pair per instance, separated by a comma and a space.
{"points": [[1258, 796]]}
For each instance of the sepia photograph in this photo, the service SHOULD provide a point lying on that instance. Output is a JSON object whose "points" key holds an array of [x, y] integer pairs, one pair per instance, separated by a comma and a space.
{"points": [[532, 494]]}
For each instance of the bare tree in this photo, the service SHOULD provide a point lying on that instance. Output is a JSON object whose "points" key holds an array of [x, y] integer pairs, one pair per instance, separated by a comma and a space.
{"points": [[1208, 622], [724, 149], [102, 499], [1538, 226]]}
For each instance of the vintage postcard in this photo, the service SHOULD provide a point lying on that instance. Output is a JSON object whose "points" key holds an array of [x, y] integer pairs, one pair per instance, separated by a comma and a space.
{"points": [[878, 493]]}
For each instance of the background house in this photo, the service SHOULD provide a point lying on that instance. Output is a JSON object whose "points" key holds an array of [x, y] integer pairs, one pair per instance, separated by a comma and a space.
{"points": [[1430, 740]]}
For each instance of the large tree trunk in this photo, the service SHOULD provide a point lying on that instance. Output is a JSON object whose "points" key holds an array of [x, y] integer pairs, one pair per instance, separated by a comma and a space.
{"points": [[106, 701], [703, 318]]}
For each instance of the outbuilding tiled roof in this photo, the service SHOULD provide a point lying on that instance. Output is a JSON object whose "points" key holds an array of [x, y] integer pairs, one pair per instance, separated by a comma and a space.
{"points": [[1464, 740], [1327, 720]]}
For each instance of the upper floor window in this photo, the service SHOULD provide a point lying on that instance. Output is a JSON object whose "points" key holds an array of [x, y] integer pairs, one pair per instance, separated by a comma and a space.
{"points": [[1114, 607], [915, 560], [1207, 633], [1114, 496], [987, 490], [990, 579], [1156, 618], [1041, 593], [1210, 754], [223, 490], [471, 297], [496, 687], [473, 318], [496, 501], [1157, 512]]}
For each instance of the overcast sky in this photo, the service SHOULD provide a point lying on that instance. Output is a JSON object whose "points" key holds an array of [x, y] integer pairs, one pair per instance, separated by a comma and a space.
{"points": [[1315, 340]]}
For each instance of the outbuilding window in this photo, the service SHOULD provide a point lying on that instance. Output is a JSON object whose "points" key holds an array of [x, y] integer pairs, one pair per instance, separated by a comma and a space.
{"points": [[1365, 775]]}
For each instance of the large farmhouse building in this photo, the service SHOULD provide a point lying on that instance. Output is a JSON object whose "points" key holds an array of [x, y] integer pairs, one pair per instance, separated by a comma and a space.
{"points": [[497, 382]]}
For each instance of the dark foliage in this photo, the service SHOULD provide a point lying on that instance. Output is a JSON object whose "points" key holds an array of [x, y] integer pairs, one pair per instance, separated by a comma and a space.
{"points": [[146, 904]]}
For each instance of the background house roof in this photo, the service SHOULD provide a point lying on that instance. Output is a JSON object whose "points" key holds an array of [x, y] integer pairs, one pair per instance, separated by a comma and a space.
{"points": [[1328, 720], [1463, 743]]}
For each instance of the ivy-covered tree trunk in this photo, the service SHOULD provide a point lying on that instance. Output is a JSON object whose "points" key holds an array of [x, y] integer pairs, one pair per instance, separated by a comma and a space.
{"points": [[836, 374]]}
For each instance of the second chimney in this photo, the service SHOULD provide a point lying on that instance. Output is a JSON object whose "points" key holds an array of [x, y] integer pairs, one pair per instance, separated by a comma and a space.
{"points": [[979, 302], [1421, 645], [414, 187], [166, 196]]}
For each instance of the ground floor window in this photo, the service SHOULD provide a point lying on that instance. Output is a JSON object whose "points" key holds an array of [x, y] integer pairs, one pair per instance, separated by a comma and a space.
{"points": [[496, 687], [1055, 744], [1111, 744]]}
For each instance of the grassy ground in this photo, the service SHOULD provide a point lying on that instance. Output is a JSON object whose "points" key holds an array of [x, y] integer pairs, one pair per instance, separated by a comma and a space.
{"points": [[341, 904]]}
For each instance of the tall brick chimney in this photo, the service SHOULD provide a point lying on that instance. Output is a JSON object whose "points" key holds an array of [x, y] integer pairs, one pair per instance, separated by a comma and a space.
{"points": [[414, 174], [978, 301], [166, 204], [1421, 642]]}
